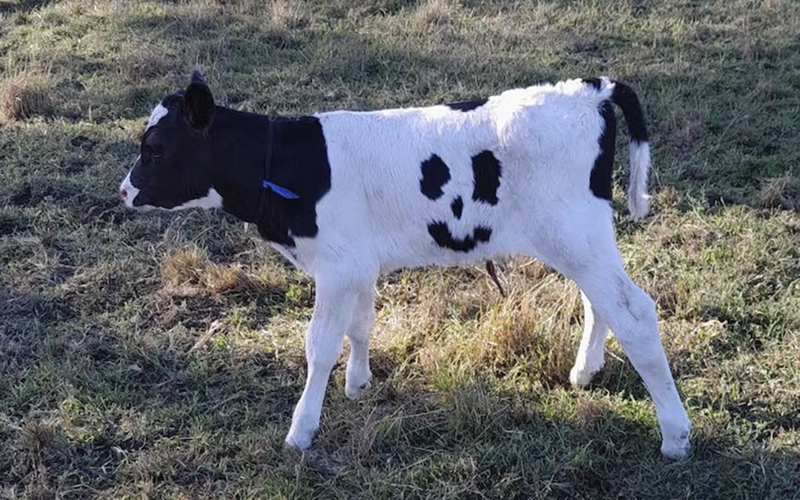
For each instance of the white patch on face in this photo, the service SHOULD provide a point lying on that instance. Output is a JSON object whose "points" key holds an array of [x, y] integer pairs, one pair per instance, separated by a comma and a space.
{"points": [[158, 113], [211, 200], [127, 191]]}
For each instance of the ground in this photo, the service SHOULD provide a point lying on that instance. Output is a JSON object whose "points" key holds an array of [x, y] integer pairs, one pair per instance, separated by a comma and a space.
{"points": [[160, 355]]}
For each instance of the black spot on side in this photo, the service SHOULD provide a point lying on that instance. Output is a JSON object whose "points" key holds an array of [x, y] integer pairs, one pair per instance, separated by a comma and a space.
{"points": [[600, 179], [444, 238], [594, 82], [435, 174], [466, 105], [457, 207], [482, 233], [486, 169]]}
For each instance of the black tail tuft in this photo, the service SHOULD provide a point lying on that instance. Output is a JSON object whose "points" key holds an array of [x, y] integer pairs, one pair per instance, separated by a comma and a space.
{"points": [[624, 97]]}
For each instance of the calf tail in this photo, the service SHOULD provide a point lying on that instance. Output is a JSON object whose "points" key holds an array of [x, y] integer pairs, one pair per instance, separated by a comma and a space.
{"points": [[638, 147]]}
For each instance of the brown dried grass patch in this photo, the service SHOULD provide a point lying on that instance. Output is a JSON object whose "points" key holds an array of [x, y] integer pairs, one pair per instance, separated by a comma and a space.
{"points": [[24, 96], [190, 272], [781, 192], [435, 12]]}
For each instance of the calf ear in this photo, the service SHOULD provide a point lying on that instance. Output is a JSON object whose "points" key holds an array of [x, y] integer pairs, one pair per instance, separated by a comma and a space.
{"points": [[198, 103]]}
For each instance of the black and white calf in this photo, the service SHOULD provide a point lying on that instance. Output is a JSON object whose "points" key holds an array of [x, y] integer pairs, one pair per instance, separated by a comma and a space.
{"points": [[347, 196]]}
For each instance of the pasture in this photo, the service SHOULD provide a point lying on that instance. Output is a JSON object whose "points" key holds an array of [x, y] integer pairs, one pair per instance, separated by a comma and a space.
{"points": [[160, 355]]}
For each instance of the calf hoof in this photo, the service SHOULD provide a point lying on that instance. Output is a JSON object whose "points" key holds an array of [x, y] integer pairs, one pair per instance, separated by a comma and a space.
{"points": [[580, 377], [355, 391], [298, 442], [676, 448], [299, 439]]}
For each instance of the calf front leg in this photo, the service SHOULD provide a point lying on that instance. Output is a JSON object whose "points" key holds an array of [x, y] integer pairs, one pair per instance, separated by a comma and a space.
{"points": [[334, 307]]}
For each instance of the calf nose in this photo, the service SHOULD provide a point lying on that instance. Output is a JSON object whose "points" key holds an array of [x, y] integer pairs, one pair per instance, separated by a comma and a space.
{"points": [[123, 193]]}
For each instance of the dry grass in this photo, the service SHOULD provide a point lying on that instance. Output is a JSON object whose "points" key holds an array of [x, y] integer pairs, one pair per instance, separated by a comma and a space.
{"points": [[781, 192], [481, 331], [188, 271], [25, 95], [143, 64], [434, 14], [285, 15]]}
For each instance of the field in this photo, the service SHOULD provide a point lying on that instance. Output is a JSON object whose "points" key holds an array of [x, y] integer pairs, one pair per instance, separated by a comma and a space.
{"points": [[160, 355]]}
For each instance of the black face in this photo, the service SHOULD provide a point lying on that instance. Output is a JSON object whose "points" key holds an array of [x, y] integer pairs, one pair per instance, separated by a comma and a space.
{"points": [[174, 169]]}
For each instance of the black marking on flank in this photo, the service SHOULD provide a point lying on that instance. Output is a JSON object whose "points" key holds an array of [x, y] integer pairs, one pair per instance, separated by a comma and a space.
{"points": [[465, 106], [435, 174], [457, 207], [594, 82], [487, 171], [444, 238], [600, 178]]}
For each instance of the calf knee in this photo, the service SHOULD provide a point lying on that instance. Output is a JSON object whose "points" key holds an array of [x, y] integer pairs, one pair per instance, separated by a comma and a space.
{"points": [[636, 303]]}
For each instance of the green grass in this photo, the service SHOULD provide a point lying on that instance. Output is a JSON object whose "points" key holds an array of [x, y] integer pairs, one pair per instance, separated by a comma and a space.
{"points": [[160, 356]]}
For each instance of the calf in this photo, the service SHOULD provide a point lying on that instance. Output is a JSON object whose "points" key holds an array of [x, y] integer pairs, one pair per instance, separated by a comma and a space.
{"points": [[347, 196]]}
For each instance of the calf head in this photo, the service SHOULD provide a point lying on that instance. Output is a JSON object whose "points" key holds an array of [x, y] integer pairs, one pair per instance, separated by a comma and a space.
{"points": [[175, 166]]}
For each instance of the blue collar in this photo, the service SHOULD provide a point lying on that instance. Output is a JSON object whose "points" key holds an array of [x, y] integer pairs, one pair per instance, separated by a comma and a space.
{"points": [[280, 191], [266, 184]]}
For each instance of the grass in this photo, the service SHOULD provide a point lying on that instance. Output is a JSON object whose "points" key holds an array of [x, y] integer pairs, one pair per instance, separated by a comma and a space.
{"points": [[160, 356]]}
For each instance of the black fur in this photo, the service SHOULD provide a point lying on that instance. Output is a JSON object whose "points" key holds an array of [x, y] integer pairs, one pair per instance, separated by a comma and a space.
{"points": [[487, 171], [435, 175], [466, 105], [457, 206], [300, 164], [178, 164], [444, 238], [624, 97], [600, 178], [594, 82]]}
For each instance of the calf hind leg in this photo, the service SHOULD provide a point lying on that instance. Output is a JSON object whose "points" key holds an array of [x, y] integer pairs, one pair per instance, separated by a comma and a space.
{"points": [[591, 352], [593, 261], [632, 316]]}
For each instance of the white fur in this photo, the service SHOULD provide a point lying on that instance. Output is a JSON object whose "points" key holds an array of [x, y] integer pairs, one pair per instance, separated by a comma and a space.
{"points": [[210, 200], [590, 358], [156, 115], [639, 154], [130, 192]]}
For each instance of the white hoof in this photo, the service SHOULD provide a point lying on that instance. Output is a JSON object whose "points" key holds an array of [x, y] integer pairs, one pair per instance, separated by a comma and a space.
{"points": [[676, 447], [581, 377], [298, 442], [354, 391], [300, 438]]}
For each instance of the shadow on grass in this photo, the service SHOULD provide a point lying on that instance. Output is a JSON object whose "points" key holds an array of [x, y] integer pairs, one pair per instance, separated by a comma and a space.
{"points": [[10, 6]]}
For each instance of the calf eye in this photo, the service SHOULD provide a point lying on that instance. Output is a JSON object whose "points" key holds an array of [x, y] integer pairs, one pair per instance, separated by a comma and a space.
{"points": [[149, 153]]}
